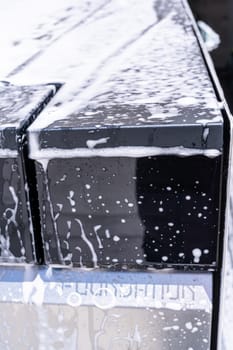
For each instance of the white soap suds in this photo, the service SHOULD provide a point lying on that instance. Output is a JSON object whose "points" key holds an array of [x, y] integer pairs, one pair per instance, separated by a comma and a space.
{"points": [[90, 69], [189, 325], [197, 254], [187, 101], [88, 243], [139, 261], [70, 198], [8, 153], [130, 151], [33, 292], [107, 234], [205, 134], [169, 328], [96, 229], [93, 143]]}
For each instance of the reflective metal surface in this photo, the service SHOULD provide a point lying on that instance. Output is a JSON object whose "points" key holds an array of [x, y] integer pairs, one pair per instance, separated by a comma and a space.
{"points": [[65, 309]]}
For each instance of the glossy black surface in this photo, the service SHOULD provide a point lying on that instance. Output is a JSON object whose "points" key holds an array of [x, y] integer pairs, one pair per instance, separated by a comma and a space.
{"points": [[18, 108], [149, 92], [114, 211], [16, 231], [148, 87]]}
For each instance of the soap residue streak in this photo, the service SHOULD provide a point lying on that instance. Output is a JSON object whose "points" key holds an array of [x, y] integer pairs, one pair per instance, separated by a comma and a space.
{"points": [[92, 143]]}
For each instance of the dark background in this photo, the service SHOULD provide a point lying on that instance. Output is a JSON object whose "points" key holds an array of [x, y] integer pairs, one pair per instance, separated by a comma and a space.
{"points": [[219, 15]]}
